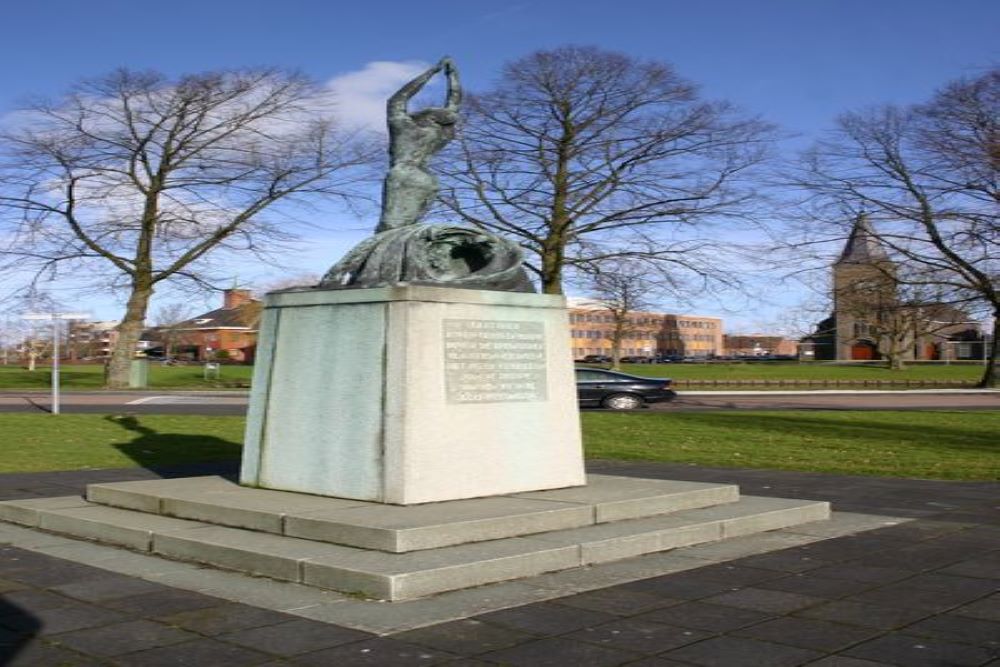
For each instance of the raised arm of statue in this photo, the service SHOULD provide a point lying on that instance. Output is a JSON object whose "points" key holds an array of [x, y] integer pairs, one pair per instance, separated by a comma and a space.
{"points": [[454, 99], [397, 103]]}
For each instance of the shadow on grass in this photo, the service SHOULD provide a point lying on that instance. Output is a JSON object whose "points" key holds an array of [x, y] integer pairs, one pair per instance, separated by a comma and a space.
{"points": [[154, 450], [861, 430]]}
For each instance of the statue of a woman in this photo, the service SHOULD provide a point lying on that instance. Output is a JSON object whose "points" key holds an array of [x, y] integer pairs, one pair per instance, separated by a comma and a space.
{"points": [[410, 187]]}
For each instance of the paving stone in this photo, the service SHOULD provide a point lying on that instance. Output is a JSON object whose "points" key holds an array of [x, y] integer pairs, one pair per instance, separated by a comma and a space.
{"points": [[786, 560], [844, 661], [294, 637], [736, 575], [976, 567], [379, 652], [959, 628], [107, 587], [546, 618], [31, 600], [558, 652], [53, 574], [702, 616], [739, 652], [224, 618], [901, 649], [61, 619], [465, 637], [655, 661], [644, 637], [681, 587], [119, 638], [867, 573], [169, 601], [936, 581], [617, 600], [821, 587], [987, 609], [864, 615], [918, 557], [38, 654], [198, 653], [808, 633], [907, 596], [778, 602]]}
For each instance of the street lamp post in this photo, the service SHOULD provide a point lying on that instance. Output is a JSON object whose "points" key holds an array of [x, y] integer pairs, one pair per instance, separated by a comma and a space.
{"points": [[55, 318]]}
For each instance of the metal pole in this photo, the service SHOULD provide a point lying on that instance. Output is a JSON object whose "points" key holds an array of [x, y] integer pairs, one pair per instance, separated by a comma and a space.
{"points": [[55, 365]]}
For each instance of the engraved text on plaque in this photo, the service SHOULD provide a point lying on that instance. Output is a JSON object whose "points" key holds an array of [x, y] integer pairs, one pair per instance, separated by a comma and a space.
{"points": [[493, 361]]}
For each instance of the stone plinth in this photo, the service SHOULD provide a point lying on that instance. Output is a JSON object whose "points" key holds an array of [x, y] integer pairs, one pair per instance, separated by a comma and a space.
{"points": [[413, 394]]}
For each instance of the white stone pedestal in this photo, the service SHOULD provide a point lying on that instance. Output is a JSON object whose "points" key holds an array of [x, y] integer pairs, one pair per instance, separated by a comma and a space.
{"points": [[413, 394]]}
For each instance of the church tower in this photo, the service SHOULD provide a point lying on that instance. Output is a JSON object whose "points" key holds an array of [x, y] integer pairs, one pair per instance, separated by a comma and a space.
{"points": [[863, 286]]}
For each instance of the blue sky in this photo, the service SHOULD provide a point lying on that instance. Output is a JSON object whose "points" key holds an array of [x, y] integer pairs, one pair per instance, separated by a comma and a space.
{"points": [[797, 63]]}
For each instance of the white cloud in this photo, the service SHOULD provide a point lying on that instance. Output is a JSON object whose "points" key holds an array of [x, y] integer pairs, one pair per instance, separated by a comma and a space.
{"points": [[360, 95]]}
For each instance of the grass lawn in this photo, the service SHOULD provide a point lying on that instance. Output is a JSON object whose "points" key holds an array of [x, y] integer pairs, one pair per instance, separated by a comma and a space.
{"points": [[937, 445], [927, 444], [91, 376], [36, 442], [83, 377], [805, 371]]}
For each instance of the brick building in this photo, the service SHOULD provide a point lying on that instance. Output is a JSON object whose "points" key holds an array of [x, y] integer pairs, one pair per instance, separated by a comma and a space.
{"points": [[866, 306], [648, 333], [758, 345], [229, 332]]}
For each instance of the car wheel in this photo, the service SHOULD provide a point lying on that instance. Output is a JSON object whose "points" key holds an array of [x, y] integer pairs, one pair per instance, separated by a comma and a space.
{"points": [[622, 402]]}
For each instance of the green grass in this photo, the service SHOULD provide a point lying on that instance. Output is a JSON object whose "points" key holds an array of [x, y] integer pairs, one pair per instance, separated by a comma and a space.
{"points": [[805, 371], [926, 444], [84, 377], [36, 442], [91, 376]]}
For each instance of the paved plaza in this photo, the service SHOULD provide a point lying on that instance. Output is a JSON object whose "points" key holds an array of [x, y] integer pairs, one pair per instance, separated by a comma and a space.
{"points": [[918, 585]]}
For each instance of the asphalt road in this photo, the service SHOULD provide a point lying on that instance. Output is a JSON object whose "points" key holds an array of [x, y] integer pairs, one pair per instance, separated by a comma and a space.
{"points": [[234, 403]]}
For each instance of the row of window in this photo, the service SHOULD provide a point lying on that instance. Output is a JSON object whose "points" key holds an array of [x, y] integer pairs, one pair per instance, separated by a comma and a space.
{"points": [[599, 318], [642, 335], [581, 352]]}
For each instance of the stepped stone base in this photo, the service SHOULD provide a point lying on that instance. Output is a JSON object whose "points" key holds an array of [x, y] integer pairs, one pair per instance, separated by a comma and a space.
{"points": [[403, 552]]}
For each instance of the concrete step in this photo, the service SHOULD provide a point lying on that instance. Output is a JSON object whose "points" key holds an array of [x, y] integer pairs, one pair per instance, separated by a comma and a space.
{"points": [[401, 576], [399, 529]]}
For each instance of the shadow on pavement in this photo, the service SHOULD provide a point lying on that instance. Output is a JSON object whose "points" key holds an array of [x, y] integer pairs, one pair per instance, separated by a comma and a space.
{"points": [[17, 628]]}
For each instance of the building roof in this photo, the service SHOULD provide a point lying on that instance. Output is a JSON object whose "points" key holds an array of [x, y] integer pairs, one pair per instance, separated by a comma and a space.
{"points": [[863, 246], [240, 317]]}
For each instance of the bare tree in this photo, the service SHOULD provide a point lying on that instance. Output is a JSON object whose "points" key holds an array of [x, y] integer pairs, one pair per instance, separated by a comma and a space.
{"points": [[584, 155], [133, 179], [169, 320], [621, 289], [930, 175]]}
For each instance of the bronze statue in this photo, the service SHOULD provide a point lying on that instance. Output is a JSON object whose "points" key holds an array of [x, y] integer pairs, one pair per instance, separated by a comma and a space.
{"points": [[404, 251], [410, 187]]}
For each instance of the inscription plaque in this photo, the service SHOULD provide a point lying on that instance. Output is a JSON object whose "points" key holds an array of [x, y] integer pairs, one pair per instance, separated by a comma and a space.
{"points": [[494, 361]]}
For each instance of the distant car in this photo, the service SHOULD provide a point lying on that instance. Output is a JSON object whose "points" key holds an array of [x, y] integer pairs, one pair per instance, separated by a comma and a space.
{"points": [[618, 391], [636, 360], [596, 359]]}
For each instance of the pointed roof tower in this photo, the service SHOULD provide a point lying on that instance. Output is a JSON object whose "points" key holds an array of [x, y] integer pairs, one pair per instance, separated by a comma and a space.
{"points": [[863, 246]]}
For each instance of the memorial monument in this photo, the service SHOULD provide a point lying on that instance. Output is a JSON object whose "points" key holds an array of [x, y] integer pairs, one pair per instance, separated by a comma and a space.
{"points": [[423, 367], [413, 428]]}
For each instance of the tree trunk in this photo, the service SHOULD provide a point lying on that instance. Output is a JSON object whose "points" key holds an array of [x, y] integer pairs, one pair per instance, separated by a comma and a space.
{"points": [[552, 265], [991, 373], [129, 332]]}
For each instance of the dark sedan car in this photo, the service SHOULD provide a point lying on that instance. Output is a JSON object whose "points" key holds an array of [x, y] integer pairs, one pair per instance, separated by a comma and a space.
{"points": [[618, 391]]}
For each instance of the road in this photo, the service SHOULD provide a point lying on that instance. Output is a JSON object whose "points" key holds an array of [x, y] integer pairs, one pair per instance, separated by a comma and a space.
{"points": [[234, 403]]}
